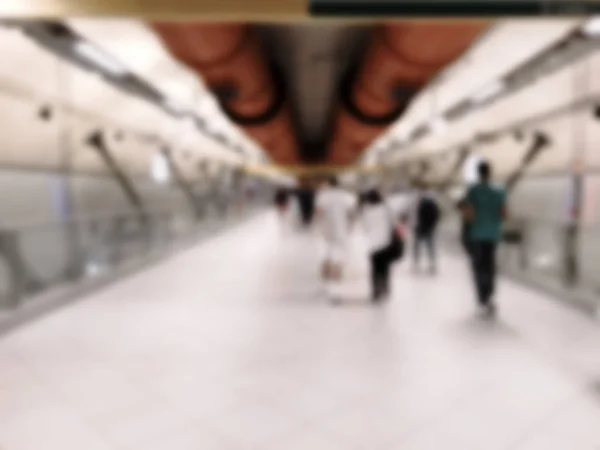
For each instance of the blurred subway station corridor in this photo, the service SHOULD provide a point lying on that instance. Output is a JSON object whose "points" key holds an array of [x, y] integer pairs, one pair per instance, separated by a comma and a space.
{"points": [[166, 280]]}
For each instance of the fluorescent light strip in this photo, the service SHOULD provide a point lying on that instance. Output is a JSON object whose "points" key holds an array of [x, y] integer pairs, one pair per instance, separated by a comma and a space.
{"points": [[489, 92], [99, 58], [592, 27]]}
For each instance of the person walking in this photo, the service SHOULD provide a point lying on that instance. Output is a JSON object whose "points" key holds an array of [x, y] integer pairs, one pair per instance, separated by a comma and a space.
{"points": [[465, 226], [427, 215], [282, 201], [486, 211], [306, 197], [335, 208], [385, 246]]}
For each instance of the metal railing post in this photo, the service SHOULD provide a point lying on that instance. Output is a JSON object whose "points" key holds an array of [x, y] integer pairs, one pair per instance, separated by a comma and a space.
{"points": [[524, 246]]}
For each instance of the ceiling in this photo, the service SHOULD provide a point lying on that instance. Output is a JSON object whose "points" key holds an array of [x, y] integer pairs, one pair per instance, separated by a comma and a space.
{"points": [[313, 57]]}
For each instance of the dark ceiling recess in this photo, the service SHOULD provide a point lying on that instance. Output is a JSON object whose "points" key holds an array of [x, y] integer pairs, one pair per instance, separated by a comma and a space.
{"points": [[226, 92], [313, 58]]}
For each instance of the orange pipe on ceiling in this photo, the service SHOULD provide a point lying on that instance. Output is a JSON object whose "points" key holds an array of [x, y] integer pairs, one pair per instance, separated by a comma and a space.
{"points": [[230, 60], [400, 56]]}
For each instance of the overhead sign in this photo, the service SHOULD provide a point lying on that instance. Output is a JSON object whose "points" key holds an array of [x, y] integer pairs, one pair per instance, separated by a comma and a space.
{"points": [[453, 8]]}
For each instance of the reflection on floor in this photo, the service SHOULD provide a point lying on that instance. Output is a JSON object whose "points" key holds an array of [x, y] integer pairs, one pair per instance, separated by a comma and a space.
{"points": [[232, 345]]}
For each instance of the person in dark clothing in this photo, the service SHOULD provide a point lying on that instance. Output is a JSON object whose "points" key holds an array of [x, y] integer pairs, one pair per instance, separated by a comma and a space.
{"points": [[379, 225], [281, 198], [486, 212], [306, 202], [465, 226], [427, 216]]}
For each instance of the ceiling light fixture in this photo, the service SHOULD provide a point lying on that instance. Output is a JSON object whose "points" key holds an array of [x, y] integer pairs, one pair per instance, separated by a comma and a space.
{"points": [[160, 169], [489, 92], [99, 58], [592, 27]]}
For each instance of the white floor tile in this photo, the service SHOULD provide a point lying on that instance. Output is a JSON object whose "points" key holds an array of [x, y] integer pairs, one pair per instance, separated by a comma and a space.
{"points": [[574, 425], [308, 439], [194, 437], [141, 424], [255, 425], [49, 426]]}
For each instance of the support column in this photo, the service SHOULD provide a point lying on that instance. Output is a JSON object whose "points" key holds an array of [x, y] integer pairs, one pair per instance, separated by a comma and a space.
{"points": [[581, 84], [571, 260], [540, 142], [74, 265], [458, 165], [97, 142], [182, 183]]}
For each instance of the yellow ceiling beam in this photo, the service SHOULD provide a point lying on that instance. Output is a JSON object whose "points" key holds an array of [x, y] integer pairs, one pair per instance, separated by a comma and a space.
{"points": [[246, 10], [310, 170]]}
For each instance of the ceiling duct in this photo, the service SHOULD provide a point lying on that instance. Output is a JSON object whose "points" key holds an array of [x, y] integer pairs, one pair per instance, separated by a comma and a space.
{"points": [[233, 64], [401, 59]]}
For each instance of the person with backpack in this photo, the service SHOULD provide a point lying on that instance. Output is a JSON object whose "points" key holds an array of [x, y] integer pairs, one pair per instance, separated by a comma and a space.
{"points": [[384, 239], [427, 215]]}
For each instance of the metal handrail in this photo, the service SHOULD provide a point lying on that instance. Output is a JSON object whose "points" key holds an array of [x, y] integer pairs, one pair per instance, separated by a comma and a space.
{"points": [[81, 219]]}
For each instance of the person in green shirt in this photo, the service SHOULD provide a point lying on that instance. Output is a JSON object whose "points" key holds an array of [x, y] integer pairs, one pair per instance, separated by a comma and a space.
{"points": [[486, 211]]}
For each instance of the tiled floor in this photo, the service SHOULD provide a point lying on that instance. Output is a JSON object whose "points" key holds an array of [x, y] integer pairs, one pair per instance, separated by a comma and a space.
{"points": [[233, 345]]}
